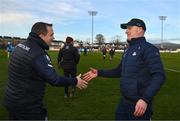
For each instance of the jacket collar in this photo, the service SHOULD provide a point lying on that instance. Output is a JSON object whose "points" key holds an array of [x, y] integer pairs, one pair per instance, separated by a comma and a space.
{"points": [[33, 37], [136, 40], [68, 44]]}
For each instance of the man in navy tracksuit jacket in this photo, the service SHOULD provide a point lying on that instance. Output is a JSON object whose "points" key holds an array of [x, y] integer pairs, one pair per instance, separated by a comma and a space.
{"points": [[141, 73], [29, 70]]}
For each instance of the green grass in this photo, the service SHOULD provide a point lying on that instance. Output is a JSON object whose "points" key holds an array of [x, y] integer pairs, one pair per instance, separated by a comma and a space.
{"points": [[101, 97]]}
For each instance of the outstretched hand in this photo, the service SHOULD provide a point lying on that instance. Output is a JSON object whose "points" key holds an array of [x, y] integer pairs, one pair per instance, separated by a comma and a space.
{"points": [[140, 108], [90, 74], [81, 84]]}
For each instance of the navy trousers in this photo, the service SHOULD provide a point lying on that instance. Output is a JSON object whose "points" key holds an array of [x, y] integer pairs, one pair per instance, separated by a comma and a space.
{"points": [[69, 73], [26, 114], [126, 108]]}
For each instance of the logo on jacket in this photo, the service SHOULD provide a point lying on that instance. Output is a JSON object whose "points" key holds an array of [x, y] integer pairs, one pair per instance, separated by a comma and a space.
{"points": [[48, 58], [67, 47], [23, 47], [134, 54], [50, 65], [157, 53]]}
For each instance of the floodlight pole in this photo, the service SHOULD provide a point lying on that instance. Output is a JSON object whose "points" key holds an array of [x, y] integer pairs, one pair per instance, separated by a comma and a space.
{"points": [[92, 13], [162, 18]]}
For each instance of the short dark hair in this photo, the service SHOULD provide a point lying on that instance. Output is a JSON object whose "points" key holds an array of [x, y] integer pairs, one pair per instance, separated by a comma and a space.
{"points": [[40, 28], [69, 40]]}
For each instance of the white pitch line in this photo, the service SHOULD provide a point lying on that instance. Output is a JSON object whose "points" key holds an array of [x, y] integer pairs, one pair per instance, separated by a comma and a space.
{"points": [[169, 69], [172, 70]]}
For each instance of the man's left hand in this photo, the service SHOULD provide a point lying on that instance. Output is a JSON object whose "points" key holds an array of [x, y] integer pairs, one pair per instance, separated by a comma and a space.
{"points": [[140, 108]]}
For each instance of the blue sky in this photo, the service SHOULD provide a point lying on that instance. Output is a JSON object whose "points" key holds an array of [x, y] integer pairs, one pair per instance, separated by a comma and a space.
{"points": [[71, 18]]}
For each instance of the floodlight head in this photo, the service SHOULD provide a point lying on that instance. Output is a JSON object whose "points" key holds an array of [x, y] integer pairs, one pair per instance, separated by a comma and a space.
{"points": [[92, 13], [162, 17]]}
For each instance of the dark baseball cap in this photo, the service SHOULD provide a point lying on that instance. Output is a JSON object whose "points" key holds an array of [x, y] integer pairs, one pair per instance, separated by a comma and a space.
{"points": [[134, 22]]}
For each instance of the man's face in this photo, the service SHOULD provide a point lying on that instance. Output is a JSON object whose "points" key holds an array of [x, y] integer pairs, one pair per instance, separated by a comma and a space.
{"points": [[48, 38], [133, 32]]}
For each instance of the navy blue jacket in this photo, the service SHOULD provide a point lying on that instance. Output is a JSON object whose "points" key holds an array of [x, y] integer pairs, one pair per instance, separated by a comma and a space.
{"points": [[29, 69], [141, 71]]}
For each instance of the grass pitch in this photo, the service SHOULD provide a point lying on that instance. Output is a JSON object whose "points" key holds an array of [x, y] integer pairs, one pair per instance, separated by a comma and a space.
{"points": [[99, 100]]}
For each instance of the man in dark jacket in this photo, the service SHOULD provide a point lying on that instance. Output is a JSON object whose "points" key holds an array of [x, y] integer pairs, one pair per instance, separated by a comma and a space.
{"points": [[29, 69], [141, 72], [104, 52], [111, 53], [68, 58]]}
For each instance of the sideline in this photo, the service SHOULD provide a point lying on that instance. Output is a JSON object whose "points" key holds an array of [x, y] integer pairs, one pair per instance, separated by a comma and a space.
{"points": [[172, 70], [169, 69]]}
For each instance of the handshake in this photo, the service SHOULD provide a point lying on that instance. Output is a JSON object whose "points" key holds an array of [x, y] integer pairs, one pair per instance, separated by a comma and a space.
{"points": [[83, 82]]}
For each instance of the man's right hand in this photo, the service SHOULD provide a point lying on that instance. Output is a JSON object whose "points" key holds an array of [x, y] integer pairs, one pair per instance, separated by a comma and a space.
{"points": [[90, 74], [81, 84]]}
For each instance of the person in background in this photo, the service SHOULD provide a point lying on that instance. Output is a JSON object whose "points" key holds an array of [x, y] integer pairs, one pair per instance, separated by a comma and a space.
{"points": [[111, 53], [85, 51], [10, 48], [104, 51], [141, 71], [30, 68], [92, 49], [68, 58]]}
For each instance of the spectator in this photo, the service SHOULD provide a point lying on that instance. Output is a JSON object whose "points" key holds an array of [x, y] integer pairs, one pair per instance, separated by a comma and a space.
{"points": [[85, 51], [104, 51], [68, 58], [111, 53], [10, 48]]}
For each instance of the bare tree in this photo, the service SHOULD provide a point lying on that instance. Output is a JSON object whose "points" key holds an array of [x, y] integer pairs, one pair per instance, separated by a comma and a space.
{"points": [[116, 40], [100, 39]]}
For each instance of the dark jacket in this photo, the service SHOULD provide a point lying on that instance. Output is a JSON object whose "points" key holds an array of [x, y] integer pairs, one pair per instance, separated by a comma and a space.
{"points": [[111, 52], [68, 57], [141, 71], [29, 69], [104, 51]]}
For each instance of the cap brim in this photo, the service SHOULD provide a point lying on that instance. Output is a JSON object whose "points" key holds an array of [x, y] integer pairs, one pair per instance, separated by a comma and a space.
{"points": [[124, 26]]}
